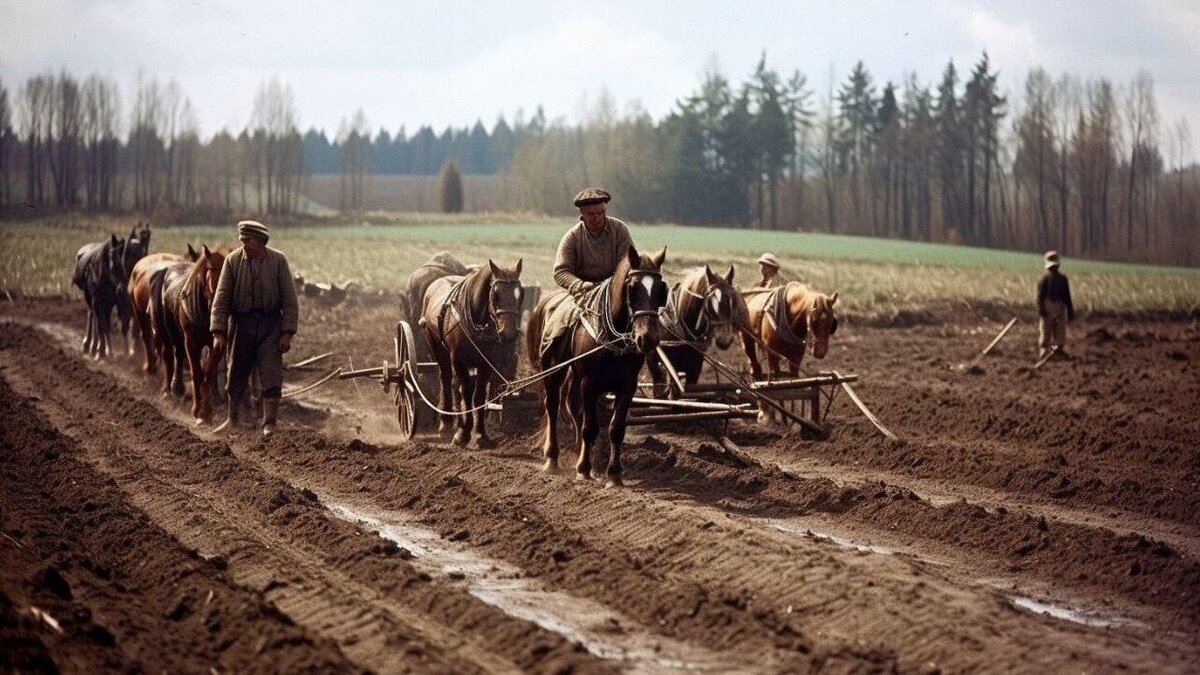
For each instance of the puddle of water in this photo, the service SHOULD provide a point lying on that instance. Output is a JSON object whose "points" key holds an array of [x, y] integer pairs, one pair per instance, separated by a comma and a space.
{"points": [[602, 631], [806, 531], [1087, 618]]}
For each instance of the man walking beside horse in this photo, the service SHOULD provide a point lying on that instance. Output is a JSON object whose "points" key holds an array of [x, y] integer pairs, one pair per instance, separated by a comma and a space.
{"points": [[256, 312]]}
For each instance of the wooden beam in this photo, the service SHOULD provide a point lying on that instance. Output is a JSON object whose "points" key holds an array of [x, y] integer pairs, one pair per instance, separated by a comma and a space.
{"points": [[670, 367], [870, 416], [995, 341], [725, 370], [699, 416]]}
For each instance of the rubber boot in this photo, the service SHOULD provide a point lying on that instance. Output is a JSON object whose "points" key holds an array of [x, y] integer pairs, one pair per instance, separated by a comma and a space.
{"points": [[270, 413], [229, 426]]}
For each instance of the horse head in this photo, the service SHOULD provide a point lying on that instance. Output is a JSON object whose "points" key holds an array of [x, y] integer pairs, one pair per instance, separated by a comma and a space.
{"points": [[644, 294], [505, 298], [134, 250], [724, 308], [821, 322], [114, 259], [207, 270]]}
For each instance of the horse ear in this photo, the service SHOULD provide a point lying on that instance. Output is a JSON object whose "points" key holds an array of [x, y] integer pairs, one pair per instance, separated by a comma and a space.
{"points": [[519, 261], [833, 298], [114, 241], [495, 270], [191, 254], [729, 275], [708, 274], [635, 258], [659, 258], [133, 232], [205, 251]]}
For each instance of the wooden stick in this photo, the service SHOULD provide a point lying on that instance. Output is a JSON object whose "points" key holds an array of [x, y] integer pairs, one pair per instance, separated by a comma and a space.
{"points": [[995, 341], [1042, 361], [635, 420], [362, 372], [766, 400], [670, 367], [308, 362], [332, 374], [870, 416]]}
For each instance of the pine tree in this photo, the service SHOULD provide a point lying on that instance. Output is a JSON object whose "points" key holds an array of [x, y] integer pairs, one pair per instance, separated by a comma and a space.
{"points": [[450, 189]]}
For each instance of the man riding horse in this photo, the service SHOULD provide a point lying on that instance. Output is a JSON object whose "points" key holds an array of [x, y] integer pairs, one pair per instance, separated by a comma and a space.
{"points": [[589, 252]]}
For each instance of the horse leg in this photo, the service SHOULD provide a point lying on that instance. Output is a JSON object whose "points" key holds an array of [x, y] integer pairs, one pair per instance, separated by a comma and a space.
{"points": [[193, 348], [655, 366], [445, 388], [588, 398], [616, 434], [149, 365], [103, 328], [551, 388], [466, 388], [91, 317], [482, 440], [752, 354]]}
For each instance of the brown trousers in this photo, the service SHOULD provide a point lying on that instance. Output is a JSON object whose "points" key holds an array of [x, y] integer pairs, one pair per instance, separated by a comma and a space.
{"points": [[254, 347], [1052, 328]]}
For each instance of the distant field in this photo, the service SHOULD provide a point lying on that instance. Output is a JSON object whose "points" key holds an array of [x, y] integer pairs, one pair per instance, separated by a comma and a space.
{"points": [[875, 277]]}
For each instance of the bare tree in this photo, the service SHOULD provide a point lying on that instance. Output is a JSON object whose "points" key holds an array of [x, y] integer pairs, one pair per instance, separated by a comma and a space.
{"points": [[353, 143], [1141, 121], [7, 143], [277, 151], [101, 119]]}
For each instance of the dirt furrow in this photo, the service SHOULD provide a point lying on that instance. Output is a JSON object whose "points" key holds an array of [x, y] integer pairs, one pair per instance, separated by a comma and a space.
{"points": [[282, 536]]}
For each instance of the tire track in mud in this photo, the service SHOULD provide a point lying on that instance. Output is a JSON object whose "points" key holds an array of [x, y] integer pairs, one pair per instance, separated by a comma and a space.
{"points": [[324, 572], [118, 587]]}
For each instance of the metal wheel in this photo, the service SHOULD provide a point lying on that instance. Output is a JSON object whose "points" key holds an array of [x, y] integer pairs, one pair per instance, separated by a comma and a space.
{"points": [[408, 406]]}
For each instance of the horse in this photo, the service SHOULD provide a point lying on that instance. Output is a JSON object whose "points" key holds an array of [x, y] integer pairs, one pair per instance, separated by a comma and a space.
{"points": [[472, 322], [187, 301], [442, 264], [136, 247], [139, 294], [98, 273], [781, 319], [701, 310], [606, 345]]}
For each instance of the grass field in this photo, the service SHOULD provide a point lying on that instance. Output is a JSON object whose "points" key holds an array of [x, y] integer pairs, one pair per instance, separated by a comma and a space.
{"points": [[875, 277]]}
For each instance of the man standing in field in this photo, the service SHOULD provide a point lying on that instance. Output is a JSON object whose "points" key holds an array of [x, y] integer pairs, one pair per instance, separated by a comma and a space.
{"points": [[1054, 308], [768, 268], [255, 306], [588, 252]]}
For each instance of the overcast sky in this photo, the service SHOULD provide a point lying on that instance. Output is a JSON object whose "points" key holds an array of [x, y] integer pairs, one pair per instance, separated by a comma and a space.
{"points": [[447, 62]]}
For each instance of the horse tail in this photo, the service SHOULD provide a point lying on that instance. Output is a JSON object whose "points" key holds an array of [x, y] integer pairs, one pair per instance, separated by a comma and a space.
{"points": [[533, 333]]}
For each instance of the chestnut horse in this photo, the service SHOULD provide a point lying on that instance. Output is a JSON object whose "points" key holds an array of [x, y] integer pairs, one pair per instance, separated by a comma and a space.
{"points": [[701, 310], [98, 273], [786, 319], [188, 302], [471, 322], [617, 327], [139, 293]]}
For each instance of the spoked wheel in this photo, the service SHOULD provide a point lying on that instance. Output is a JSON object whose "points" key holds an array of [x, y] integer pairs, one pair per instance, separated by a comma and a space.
{"points": [[408, 412]]}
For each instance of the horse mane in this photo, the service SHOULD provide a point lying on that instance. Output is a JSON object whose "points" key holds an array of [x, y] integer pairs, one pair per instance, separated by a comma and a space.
{"points": [[476, 286], [616, 288]]}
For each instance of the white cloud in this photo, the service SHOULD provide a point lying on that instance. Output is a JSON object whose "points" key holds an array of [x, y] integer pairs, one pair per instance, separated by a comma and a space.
{"points": [[1010, 44]]}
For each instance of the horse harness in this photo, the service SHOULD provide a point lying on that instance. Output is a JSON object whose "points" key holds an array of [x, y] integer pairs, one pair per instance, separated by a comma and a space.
{"points": [[775, 314], [608, 335], [457, 301], [701, 335]]}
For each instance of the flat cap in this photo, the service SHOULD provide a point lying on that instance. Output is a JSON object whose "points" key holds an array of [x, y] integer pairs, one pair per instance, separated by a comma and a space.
{"points": [[769, 259], [253, 228], [1051, 259], [592, 195]]}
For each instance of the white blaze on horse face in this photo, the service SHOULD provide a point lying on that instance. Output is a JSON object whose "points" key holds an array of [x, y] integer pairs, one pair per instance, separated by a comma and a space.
{"points": [[516, 291], [648, 284], [716, 301]]}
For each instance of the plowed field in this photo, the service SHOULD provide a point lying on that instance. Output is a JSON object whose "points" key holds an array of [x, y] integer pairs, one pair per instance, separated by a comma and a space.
{"points": [[1029, 520]]}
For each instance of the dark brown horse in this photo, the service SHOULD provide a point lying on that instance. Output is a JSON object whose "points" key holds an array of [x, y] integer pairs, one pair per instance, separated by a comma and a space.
{"points": [[617, 327], [702, 310], [139, 293], [441, 264], [136, 247], [471, 323], [187, 301], [98, 272], [786, 320]]}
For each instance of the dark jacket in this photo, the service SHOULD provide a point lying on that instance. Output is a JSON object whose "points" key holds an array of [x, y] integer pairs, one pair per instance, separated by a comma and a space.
{"points": [[1054, 286]]}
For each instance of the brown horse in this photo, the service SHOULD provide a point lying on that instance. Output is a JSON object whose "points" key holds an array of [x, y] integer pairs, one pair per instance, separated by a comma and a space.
{"points": [[702, 310], [136, 247], [616, 327], [782, 319], [139, 293], [471, 322], [98, 273], [188, 303]]}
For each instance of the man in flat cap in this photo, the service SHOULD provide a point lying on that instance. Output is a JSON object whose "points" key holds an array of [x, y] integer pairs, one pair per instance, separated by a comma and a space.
{"points": [[1054, 307], [768, 268], [588, 252], [256, 313]]}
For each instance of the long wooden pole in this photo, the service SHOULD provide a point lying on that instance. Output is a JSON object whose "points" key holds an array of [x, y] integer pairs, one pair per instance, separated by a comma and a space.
{"points": [[995, 341], [870, 416]]}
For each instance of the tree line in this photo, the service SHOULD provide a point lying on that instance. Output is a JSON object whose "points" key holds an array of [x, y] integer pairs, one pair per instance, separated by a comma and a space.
{"points": [[1086, 167]]}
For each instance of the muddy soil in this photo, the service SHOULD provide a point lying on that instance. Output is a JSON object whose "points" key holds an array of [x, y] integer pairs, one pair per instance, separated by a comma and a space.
{"points": [[1033, 520]]}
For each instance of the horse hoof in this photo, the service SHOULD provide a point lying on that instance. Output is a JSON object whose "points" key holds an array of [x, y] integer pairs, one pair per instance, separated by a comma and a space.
{"points": [[614, 482], [459, 440], [550, 466], [579, 475], [485, 443], [199, 421]]}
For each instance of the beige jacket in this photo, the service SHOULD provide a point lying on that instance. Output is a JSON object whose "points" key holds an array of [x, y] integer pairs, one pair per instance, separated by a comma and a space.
{"points": [[240, 290], [584, 260]]}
